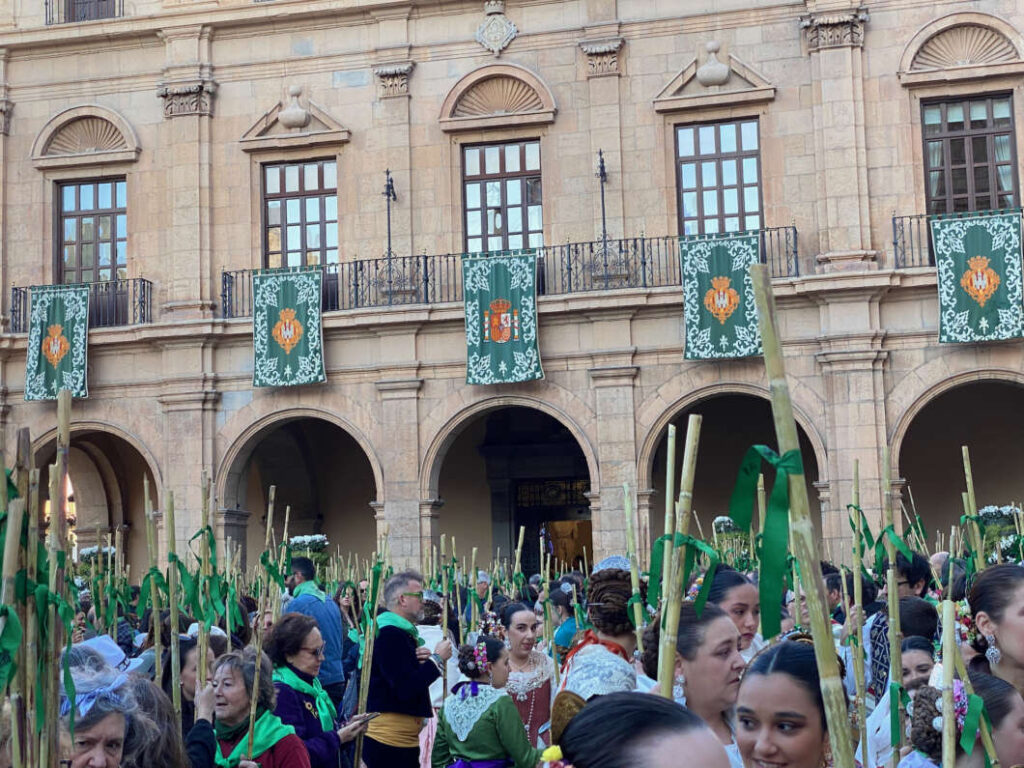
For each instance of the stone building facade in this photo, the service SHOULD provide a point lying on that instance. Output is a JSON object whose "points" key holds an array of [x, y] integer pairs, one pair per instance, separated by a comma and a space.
{"points": [[171, 146]]}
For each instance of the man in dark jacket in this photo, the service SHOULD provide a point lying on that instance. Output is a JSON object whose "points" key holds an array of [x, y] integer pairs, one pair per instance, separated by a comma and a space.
{"points": [[311, 601], [400, 677]]}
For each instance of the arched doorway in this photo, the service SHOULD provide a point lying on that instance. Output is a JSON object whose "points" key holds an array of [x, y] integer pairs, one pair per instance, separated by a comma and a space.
{"points": [[319, 470], [986, 416], [510, 467], [731, 424], [105, 487]]}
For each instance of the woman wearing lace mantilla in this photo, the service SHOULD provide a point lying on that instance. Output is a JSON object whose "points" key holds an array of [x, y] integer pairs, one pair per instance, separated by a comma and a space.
{"points": [[531, 672], [479, 726]]}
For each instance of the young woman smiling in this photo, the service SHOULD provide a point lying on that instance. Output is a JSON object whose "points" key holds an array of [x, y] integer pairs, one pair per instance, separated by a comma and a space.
{"points": [[737, 595]]}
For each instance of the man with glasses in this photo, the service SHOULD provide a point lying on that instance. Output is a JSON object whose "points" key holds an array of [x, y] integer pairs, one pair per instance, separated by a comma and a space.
{"points": [[309, 600], [400, 676]]}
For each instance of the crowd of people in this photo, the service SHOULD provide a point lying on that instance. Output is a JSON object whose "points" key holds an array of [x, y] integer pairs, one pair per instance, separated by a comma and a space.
{"points": [[551, 673]]}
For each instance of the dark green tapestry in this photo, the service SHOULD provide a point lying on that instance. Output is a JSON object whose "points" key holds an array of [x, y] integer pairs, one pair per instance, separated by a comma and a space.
{"points": [[718, 295], [501, 318], [978, 260], [286, 333], [58, 341]]}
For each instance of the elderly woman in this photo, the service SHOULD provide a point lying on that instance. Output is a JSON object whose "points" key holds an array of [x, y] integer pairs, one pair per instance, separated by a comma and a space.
{"points": [[274, 744], [296, 649], [103, 712]]}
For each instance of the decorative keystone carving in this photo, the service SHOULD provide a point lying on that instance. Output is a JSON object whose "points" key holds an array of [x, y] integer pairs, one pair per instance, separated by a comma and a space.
{"points": [[713, 72], [187, 98], [497, 30], [6, 108], [393, 79], [835, 30], [602, 56]]}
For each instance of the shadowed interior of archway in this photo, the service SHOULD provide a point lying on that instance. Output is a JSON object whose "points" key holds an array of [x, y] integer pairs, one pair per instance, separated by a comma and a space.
{"points": [[988, 417], [731, 425], [320, 471], [515, 466]]}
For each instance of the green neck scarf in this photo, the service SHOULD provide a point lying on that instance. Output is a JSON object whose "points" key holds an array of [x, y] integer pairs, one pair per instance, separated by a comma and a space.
{"points": [[389, 619], [267, 731], [309, 588], [324, 706]]}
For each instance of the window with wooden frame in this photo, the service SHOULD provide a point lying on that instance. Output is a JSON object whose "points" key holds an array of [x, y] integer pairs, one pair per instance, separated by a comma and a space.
{"points": [[92, 231], [970, 161], [718, 177], [300, 213], [502, 196]]}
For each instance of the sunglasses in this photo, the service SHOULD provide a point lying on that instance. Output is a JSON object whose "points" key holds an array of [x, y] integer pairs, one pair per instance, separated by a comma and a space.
{"points": [[417, 595]]}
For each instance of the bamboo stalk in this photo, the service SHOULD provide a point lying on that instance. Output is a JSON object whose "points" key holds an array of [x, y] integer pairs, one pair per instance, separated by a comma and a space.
{"points": [[254, 699], [893, 601], [31, 749], [860, 700], [986, 732], [949, 649], [674, 588], [204, 568], [972, 510], [670, 501], [474, 609], [634, 571], [172, 591], [368, 643], [154, 593], [800, 521]]}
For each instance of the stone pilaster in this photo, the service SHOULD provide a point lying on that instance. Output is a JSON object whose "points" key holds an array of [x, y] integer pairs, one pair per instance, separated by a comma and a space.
{"points": [[430, 528], [602, 49], [393, 79], [230, 525], [392, 140], [835, 38], [643, 513], [399, 445], [603, 57], [6, 109]]}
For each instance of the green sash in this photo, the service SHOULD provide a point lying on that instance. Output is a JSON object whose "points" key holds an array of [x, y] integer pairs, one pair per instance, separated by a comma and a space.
{"points": [[389, 619], [324, 706], [309, 588], [267, 731]]}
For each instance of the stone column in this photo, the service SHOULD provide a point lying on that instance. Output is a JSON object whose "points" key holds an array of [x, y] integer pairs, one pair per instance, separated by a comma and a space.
{"points": [[402, 515], [231, 524], [643, 513], [835, 37], [391, 116], [603, 51], [6, 108], [430, 529], [187, 91]]}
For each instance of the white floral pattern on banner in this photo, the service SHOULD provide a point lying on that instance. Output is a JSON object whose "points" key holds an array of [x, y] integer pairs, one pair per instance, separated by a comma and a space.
{"points": [[266, 287], [75, 299]]}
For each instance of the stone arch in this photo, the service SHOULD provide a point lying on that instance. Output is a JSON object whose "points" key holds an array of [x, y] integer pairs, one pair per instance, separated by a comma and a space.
{"points": [[85, 135], [433, 458], [48, 438], [651, 440], [962, 39], [497, 96]]}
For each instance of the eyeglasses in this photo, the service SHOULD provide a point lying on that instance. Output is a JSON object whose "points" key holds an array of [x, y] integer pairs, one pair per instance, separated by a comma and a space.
{"points": [[417, 595], [319, 652]]}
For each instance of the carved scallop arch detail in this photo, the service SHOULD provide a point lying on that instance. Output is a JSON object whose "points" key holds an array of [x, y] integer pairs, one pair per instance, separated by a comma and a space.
{"points": [[497, 95], [963, 46], [85, 135], [960, 46]]}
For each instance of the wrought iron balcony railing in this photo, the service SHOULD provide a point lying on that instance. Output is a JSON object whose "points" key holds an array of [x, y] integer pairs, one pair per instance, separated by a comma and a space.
{"points": [[602, 265], [912, 242], [113, 303], [74, 11]]}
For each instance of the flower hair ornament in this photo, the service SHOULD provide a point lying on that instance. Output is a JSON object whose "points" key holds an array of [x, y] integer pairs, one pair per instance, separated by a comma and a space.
{"points": [[480, 662], [967, 631]]}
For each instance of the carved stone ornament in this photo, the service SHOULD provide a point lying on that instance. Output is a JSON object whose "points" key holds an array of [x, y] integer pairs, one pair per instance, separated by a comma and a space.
{"points": [[6, 107], [835, 30], [294, 117], [187, 98], [393, 79], [964, 46], [497, 30], [602, 56], [713, 72]]}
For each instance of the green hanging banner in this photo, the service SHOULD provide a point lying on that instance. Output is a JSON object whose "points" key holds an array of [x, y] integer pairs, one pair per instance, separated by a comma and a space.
{"points": [[718, 295], [58, 340], [501, 318], [286, 334], [978, 259]]}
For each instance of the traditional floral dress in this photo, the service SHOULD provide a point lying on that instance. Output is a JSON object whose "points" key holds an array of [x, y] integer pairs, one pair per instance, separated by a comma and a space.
{"points": [[530, 690]]}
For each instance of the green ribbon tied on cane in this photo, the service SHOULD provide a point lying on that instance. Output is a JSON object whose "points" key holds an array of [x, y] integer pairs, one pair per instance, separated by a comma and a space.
{"points": [[152, 582], [774, 545], [898, 700], [972, 722], [10, 640], [694, 547]]}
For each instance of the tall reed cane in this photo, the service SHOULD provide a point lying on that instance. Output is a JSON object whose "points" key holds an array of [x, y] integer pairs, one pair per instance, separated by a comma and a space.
{"points": [[860, 701], [172, 590], [634, 571], [670, 507], [893, 602]]}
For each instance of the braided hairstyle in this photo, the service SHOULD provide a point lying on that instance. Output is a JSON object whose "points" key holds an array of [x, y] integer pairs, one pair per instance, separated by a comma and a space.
{"points": [[608, 599], [467, 656], [689, 635], [923, 735]]}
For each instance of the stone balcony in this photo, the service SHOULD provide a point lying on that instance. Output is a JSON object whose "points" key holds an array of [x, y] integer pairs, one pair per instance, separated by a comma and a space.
{"points": [[112, 303]]}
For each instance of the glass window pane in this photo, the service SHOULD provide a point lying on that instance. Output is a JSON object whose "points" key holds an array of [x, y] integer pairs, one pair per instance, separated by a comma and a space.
{"points": [[473, 195], [932, 119], [982, 203], [105, 254], [708, 174], [492, 159], [1001, 145], [88, 231], [706, 135], [961, 204], [104, 223], [959, 181], [1006, 201], [515, 219], [750, 170], [273, 239], [749, 136], [981, 179], [710, 226], [513, 192], [70, 230], [689, 204], [979, 114], [493, 193], [88, 252], [936, 183], [330, 175], [311, 176], [473, 223], [87, 276], [474, 245], [68, 196], [732, 224], [294, 259], [533, 156], [106, 195], [690, 228], [688, 175], [935, 154], [272, 179], [730, 201], [331, 208], [292, 210], [472, 161], [979, 149], [515, 241], [751, 204], [534, 217], [957, 152], [312, 209], [122, 194], [955, 117], [70, 257], [728, 172], [122, 225], [293, 239], [494, 243], [331, 235], [313, 236], [273, 213], [710, 203], [533, 192], [537, 240], [1004, 178], [122, 253], [494, 222], [273, 260], [291, 178], [727, 137], [332, 256], [1001, 113], [685, 139], [511, 158], [86, 197], [753, 222]]}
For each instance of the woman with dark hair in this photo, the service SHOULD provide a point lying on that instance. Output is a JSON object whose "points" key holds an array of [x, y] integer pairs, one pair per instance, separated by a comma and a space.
{"points": [[918, 656], [563, 603], [624, 730], [274, 744], [188, 655], [737, 595], [478, 726], [1005, 709], [997, 608], [707, 668], [531, 672], [780, 714], [296, 648]]}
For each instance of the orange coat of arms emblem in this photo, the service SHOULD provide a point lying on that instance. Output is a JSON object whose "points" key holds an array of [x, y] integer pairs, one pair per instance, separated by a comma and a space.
{"points": [[980, 280], [501, 322], [55, 345], [287, 331], [721, 301]]}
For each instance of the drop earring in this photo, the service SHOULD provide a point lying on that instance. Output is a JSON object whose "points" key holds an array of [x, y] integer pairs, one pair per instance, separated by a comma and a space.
{"points": [[992, 653], [677, 687]]}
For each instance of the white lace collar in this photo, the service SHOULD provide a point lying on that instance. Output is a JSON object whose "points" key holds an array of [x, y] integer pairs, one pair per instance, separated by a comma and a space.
{"points": [[463, 713], [539, 671]]}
